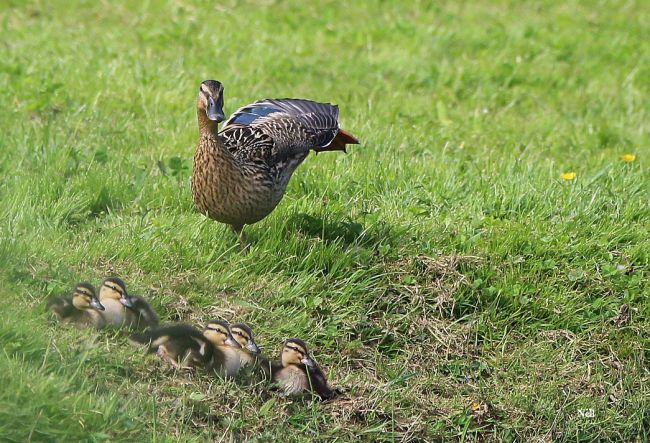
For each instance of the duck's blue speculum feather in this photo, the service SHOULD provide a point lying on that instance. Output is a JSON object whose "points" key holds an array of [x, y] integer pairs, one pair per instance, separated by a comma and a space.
{"points": [[248, 115]]}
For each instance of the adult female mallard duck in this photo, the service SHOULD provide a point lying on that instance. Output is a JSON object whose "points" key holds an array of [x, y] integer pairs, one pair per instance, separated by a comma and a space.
{"points": [[241, 173]]}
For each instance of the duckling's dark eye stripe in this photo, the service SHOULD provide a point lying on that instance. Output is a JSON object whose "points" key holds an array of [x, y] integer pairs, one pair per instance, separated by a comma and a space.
{"points": [[116, 289], [295, 349]]}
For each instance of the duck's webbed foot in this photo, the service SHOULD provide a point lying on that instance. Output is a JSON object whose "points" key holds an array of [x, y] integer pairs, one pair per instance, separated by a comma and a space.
{"points": [[164, 354], [243, 240]]}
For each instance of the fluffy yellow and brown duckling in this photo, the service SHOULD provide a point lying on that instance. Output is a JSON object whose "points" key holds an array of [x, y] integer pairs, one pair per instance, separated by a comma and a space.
{"points": [[249, 352], [298, 373], [110, 294], [185, 347], [82, 309], [226, 346], [241, 173], [123, 310]]}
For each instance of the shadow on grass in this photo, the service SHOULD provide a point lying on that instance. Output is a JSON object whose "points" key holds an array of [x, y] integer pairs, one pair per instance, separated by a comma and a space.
{"points": [[344, 230]]}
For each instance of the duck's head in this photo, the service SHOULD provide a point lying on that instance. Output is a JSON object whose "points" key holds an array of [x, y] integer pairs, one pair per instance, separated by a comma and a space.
{"points": [[84, 297], [113, 288], [244, 336], [210, 101], [295, 352], [218, 333]]}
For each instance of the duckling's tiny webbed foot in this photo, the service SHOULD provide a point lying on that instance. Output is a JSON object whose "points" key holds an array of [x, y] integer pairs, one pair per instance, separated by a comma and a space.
{"points": [[166, 357]]}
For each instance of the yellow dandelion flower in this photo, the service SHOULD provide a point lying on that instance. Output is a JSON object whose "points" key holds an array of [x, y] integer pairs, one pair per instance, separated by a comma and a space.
{"points": [[628, 158], [475, 406], [568, 176]]}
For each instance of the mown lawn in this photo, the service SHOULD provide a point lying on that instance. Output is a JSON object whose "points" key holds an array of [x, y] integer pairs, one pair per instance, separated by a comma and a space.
{"points": [[444, 273]]}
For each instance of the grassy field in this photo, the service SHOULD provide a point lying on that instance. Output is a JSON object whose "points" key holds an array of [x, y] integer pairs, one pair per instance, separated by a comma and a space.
{"points": [[446, 275]]}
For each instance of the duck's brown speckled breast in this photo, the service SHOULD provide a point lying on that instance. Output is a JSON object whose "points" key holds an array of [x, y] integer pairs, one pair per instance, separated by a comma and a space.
{"points": [[230, 191]]}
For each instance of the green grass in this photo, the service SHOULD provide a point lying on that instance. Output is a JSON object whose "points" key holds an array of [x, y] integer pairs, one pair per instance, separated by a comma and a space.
{"points": [[442, 264]]}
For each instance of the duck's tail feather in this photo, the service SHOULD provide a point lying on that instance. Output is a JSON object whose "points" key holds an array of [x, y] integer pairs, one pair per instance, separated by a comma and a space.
{"points": [[339, 143]]}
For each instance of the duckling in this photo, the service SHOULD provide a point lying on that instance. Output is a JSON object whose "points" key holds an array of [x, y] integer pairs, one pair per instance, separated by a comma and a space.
{"points": [[226, 347], [249, 352], [185, 347], [145, 316], [81, 309], [297, 372], [241, 173], [181, 345], [111, 293]]}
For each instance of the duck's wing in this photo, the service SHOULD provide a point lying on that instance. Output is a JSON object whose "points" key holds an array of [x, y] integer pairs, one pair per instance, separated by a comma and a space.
{"points": [[276, 129], [248, 143]]}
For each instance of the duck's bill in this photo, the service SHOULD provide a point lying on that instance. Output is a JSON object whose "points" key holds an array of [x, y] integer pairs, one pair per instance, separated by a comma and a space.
{"points": [[97, 305], [215, 111], [252, 346]]}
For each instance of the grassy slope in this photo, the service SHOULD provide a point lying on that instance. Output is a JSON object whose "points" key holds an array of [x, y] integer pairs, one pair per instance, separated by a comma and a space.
{"points": [[442, 263]]}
